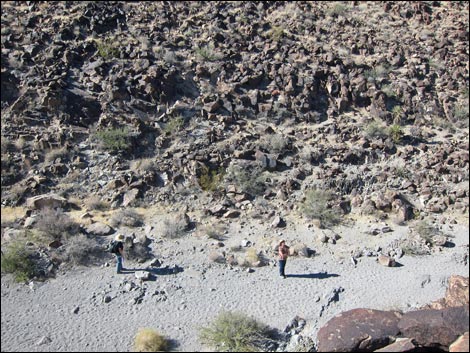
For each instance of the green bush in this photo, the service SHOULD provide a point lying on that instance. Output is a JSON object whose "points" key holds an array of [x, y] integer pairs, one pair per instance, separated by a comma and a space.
{"points": [[426, 231], [210, 180], [315, 206], [375, 129], [174, 125], [234, 332], [207, 53], [17, 260], [115, 140], [107, 49], [149, 340], [395, 132]]}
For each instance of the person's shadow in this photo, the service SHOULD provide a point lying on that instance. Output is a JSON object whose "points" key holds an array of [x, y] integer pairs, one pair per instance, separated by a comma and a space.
{"points": [[155, 271], [319, 275]]}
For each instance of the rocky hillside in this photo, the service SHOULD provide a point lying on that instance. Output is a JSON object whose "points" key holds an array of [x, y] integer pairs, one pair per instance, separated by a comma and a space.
{"points": [[249, 104]]}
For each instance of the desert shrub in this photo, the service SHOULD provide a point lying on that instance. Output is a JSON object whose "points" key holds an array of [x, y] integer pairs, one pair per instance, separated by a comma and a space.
{"points": [[127, 217], [137, 252], [397, 113], [95, 202], [234, 332], [114, 140], [395, 132], [275, 33], [460, 115], [174, 125], [214, 231], [55, 153], [55, 224], [337, 9], [107, 49], [149, 340], [210, 180], [143, 165], [249, 180], [251, 256], [175, 227], [16, 259], [426, 231], [80, 250], [375, 129], [207, 53], [315, 206], [274, 143]]}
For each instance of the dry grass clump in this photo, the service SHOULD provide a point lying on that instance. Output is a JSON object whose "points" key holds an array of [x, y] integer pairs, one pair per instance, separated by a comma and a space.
{"points": [[95, 202], [175, 227], [234, 332], [127, 217], [149, 340]]}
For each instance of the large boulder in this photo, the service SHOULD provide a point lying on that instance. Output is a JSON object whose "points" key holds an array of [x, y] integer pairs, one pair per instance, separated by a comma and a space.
{"points": [[99, 228], [456, 294], [46, 201], [358, 329], [435, 328]]}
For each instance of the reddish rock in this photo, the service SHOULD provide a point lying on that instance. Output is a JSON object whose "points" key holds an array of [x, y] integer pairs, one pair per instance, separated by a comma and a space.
{"points": [[358, 329], [461, 344], [400, 345], [456, 294], [435, 328], [386, 261]]}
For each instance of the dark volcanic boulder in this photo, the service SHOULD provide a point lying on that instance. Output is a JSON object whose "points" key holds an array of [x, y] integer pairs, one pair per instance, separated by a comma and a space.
{"points": [[435, 328], [358, 330]]}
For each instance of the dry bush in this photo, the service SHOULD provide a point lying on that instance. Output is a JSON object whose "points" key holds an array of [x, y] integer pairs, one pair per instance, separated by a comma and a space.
{"points": [[55, 224], [55, 153], [137, 252], [214, 231], [252, 256], [175, 227], [95, 202], [149, 340], [273, 143], [80, 250], [127, 217], [143, 165], [235, 332]]}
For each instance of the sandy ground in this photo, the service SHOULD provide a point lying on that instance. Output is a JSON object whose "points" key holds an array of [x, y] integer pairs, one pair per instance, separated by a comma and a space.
{"points": [[69, 313]]}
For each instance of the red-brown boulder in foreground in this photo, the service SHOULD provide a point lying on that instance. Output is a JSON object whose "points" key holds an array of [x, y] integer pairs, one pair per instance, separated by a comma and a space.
{"points": [[358, 329], [435, 328]]}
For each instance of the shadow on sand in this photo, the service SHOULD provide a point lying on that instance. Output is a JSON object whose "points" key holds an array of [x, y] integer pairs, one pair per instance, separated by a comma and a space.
{"points": [[155, 271], [320, 275]]}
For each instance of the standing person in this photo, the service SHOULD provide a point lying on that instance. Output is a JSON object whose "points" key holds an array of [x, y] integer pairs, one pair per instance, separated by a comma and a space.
{"points": [[118, 250], [283, 254]]}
